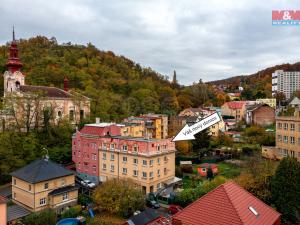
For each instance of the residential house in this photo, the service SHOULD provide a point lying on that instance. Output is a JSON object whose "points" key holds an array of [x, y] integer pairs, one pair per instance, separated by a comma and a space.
{"points": [[260, 114], [237, 207], [132, 129], [202, 169], [196, 112], [235, 109], [44, 184], [101, 153], [234, 96], [295, 102], [155, 125], [26, 105], [148, 217], [269, 101]]}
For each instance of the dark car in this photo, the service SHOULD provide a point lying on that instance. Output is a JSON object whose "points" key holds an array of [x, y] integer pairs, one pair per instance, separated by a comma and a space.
{"points": [[152, 204], [173, 209]]}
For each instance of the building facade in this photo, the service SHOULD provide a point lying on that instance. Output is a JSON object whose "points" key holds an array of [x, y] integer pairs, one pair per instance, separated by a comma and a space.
{"points": [[260, 114], [101, 153], [44, 184], [26, 105], [286, 82], [236, 109], [288, 136], [269, 101]]}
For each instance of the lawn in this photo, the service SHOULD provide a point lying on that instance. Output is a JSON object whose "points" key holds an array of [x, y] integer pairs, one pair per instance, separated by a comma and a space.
{"points": [[229, 170], [107, 219]]}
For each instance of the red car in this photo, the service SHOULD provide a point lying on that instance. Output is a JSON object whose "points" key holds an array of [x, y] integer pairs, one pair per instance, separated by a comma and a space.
{"points": [[173, 209]]}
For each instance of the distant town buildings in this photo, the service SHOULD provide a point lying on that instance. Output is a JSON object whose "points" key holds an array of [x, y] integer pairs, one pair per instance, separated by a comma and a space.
{"points": [[269, 101], [27, 105], [227, 204], [260, 114], [234, 96], [101, 153], [44, 184], [286, 82], [235, 109]]}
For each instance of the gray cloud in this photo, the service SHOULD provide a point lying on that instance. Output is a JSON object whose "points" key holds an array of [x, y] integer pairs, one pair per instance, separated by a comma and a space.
{"points": [[199, 39]]}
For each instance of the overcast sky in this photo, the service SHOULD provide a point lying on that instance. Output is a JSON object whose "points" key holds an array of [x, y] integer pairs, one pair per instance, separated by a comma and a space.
{"points": [[207, 39]]}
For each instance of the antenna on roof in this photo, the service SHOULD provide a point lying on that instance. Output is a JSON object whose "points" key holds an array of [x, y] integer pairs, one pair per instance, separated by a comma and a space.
{"points": [[47, 154]]}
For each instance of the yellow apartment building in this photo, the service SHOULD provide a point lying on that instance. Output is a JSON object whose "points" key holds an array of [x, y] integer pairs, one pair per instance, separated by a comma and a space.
{"points": [[149, 162], [44, 184], [132, 129], [288, 136]]}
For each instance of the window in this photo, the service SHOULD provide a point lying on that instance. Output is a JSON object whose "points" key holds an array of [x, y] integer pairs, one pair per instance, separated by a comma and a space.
{"points": [[15, 181], [165, 158], [158, 173], [203, 169], [81, 114], [59, 114], [103, 166], [15, 195], [292, 126], [158, 148], [285, 139], [151, 174], [124, 170], [292, 140], [43, 201], [293, 154], [65, 196], [144, 175], [71, 115], [165, 170], [144, 162], [112, 168], [94, 157], [279, 125], [29, 187], [135, 161], [112, 157], [151, 162], [124, 159], [158, 186], [63, 182], [158, 161], [94, 169], [285, 126], [135, 173], [104, 146], [46, 185], [79, 165], [112, 146], [279, 137], [104, 156], [298, 141], [125, 147], [135, 148]]}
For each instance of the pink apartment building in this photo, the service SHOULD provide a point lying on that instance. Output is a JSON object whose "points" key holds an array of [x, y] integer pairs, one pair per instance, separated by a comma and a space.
{"points": [[101, 153]]}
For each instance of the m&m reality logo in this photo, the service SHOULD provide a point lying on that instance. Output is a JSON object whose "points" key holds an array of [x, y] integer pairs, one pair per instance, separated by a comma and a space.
{"points": [[286, 17]]}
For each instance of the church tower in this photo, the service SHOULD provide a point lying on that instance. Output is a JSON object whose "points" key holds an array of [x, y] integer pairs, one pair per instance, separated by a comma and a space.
{"points": [[13, 78]]}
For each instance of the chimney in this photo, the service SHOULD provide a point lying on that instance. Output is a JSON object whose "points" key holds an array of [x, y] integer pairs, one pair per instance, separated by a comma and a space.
{"points": [[97, 120], [66, 84]]}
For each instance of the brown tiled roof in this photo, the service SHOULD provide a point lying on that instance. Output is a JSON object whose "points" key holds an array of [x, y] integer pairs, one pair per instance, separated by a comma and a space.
{"points": [[51, 92], [227, 204]]}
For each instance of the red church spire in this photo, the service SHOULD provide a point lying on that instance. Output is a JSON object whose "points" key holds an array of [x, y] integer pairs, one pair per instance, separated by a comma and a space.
{"points": [[14, 64]]}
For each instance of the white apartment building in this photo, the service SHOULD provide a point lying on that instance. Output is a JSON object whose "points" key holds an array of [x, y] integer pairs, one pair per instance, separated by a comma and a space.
{"points": [[286, 82]]}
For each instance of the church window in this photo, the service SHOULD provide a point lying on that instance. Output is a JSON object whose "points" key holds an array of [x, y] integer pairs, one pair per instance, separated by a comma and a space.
{"points": [[71, 115], [59, 114], [81, 114]]}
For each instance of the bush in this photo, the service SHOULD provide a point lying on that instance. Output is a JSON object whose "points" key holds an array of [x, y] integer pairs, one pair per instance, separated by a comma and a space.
{"points": [[44, 217], [178, 171], [72, 212]]}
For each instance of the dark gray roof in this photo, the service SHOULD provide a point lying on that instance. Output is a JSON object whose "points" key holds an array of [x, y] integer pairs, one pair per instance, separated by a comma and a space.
{"points": [[41, 170], [144, 217], [51, 92], [63, 190], [6, 191], [16, 212]]}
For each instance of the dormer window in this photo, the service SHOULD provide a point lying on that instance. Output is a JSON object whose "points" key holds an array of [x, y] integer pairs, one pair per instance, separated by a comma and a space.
{"points": [[17, 85]]}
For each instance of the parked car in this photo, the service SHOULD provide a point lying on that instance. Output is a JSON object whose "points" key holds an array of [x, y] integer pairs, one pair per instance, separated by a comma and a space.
{"points": [[88, 183], [173, 209], [152, 204]]}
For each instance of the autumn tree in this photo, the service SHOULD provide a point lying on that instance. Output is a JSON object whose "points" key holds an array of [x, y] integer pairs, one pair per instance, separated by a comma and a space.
{"points": [[119, 196], [285, 189]]}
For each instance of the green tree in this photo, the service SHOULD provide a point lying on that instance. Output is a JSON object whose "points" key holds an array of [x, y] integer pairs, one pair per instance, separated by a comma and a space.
{"points": [[201, 142], [209, 173], [285, 189], [46, 216], [120, 197]]}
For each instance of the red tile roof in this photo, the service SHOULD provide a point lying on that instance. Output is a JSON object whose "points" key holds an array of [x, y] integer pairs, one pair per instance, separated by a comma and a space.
{"points": [[112, 129], [227, 204], [236, 104]]}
